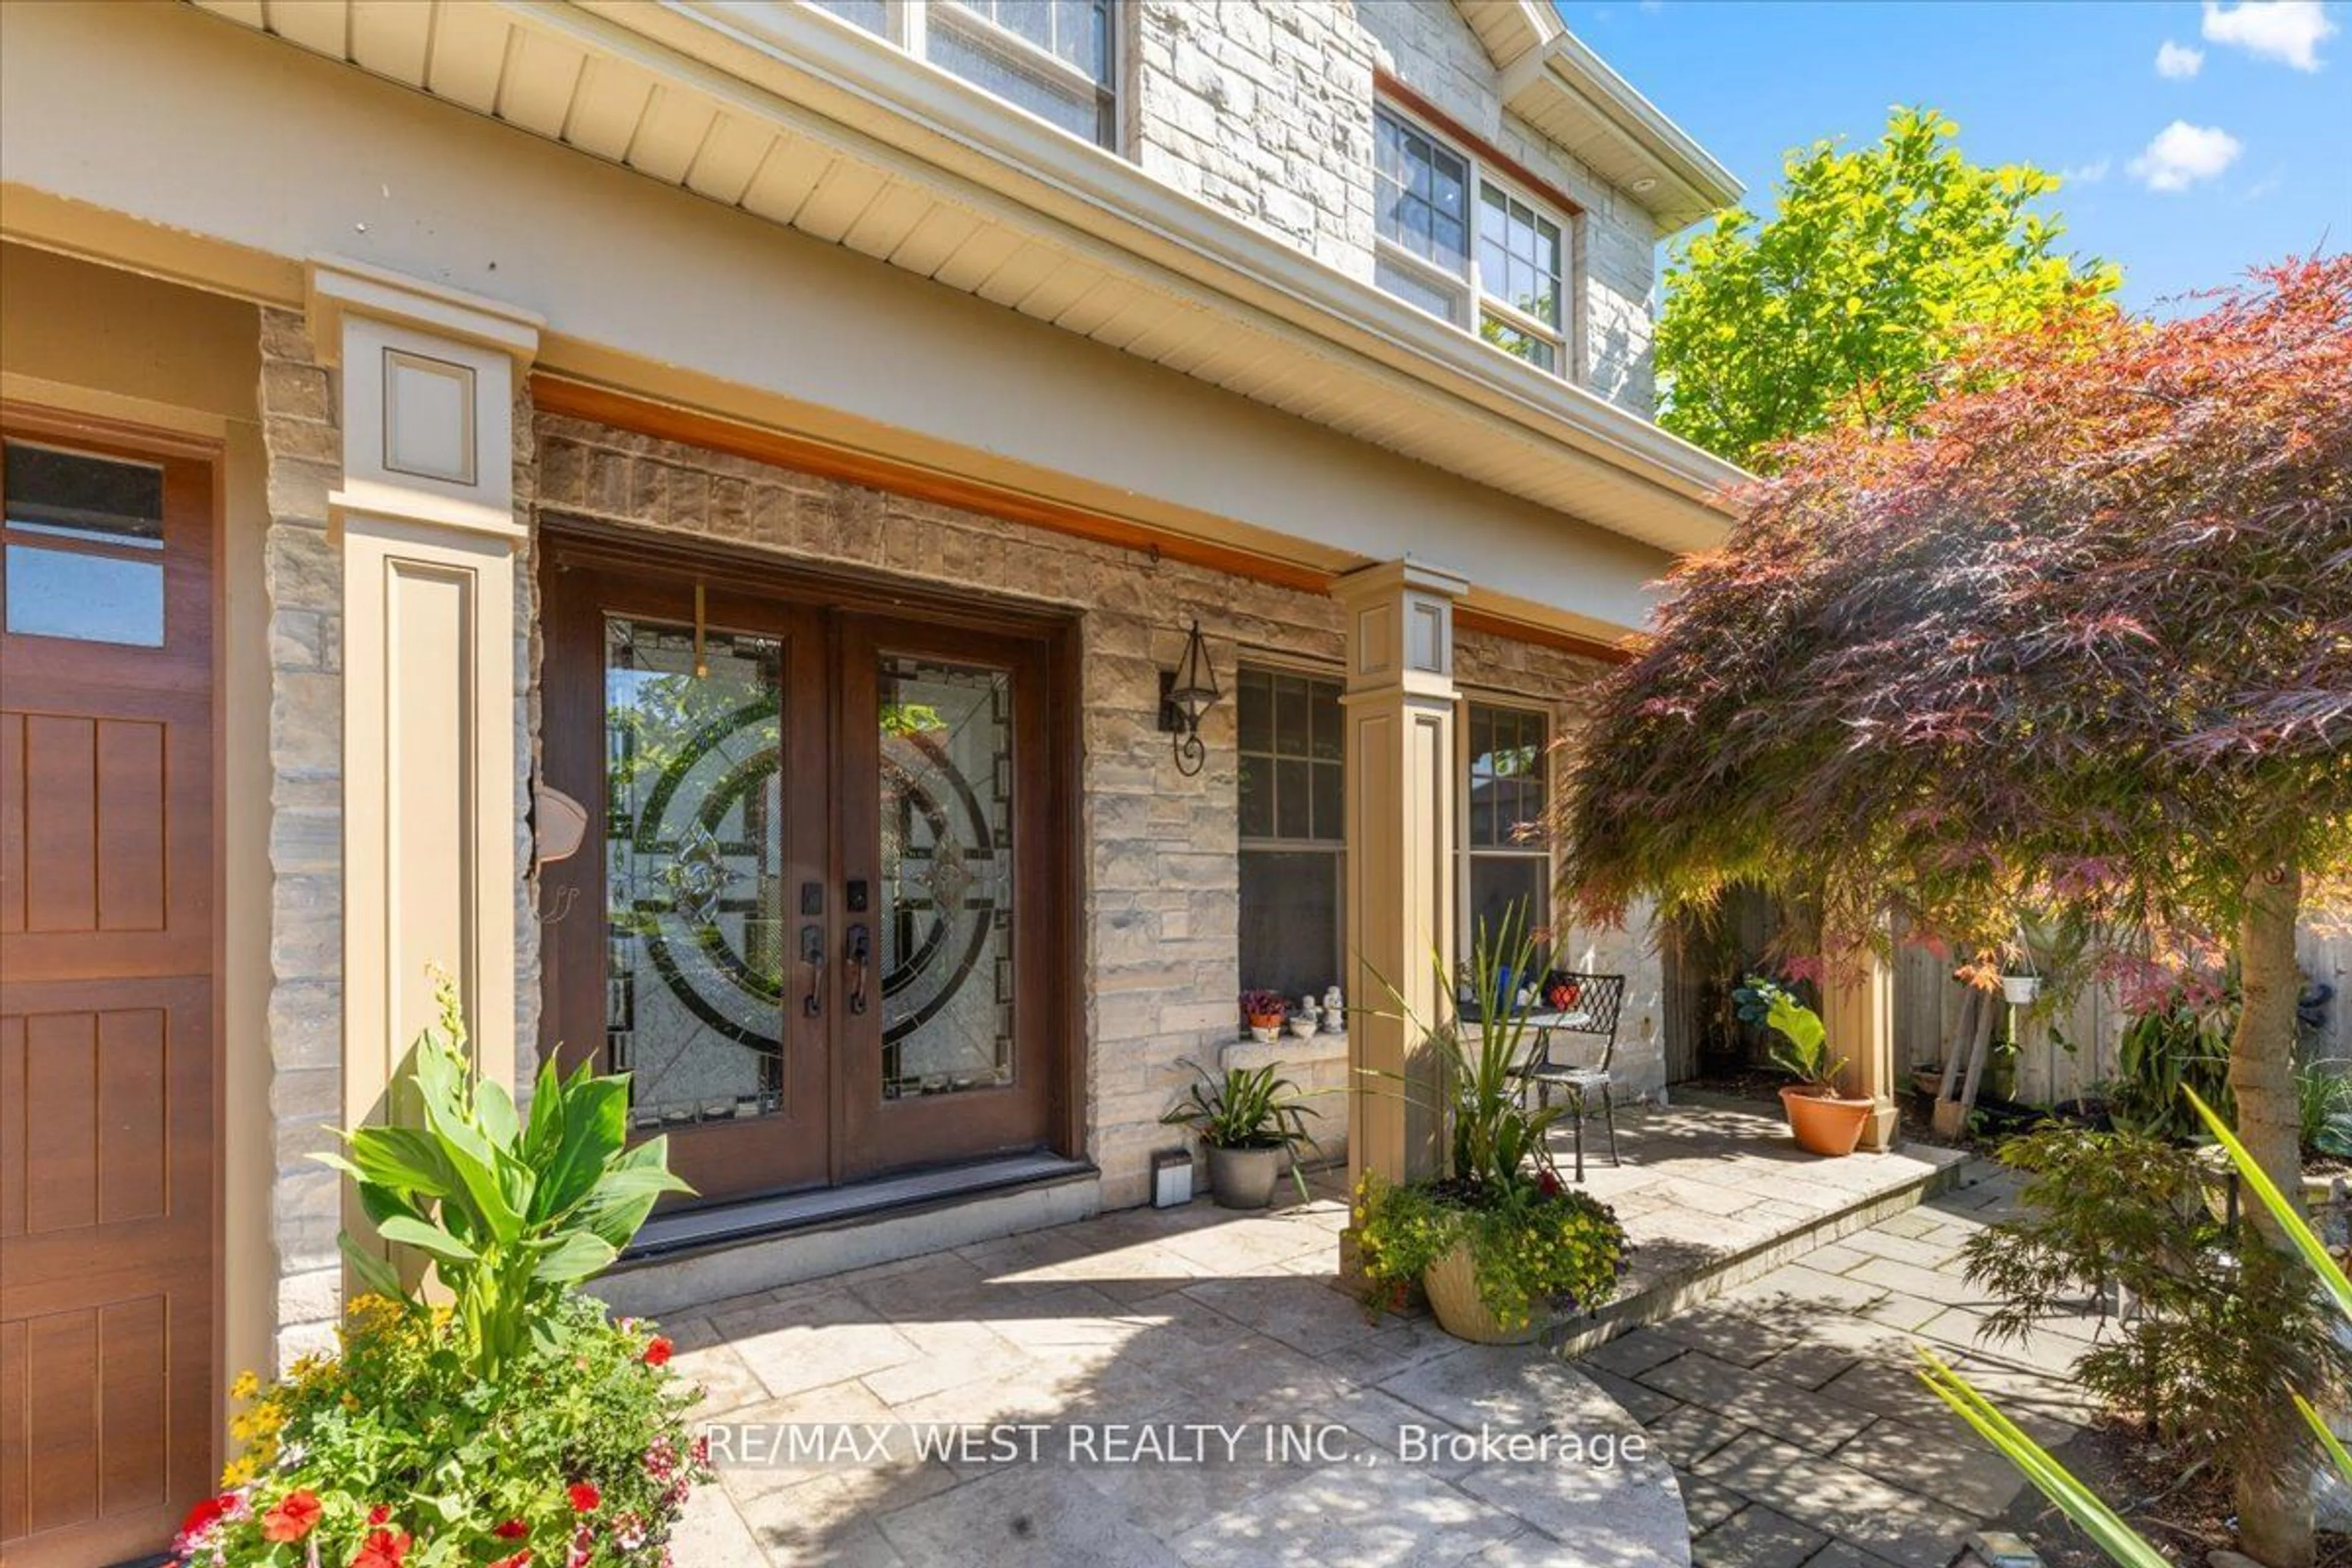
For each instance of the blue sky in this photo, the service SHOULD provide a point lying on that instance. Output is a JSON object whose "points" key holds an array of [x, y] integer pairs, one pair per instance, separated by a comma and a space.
{"points": [[2241, 153]]}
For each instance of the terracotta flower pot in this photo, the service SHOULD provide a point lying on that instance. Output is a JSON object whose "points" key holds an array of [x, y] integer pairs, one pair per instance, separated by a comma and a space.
{"points": [[1243, 1178], [1451, 1283], [1824, 1122]]}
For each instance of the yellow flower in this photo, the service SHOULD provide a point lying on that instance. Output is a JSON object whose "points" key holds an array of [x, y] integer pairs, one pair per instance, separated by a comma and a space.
{"points": [[246, 1386], [237, 1472]]}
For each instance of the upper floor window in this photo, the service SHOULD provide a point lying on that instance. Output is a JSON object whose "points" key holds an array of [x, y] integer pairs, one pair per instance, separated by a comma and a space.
{"points": [[1052, 58], [1510, 286]]}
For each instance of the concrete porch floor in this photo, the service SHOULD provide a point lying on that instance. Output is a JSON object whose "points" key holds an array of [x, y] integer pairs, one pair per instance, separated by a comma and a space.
{"points": [[1129, 1345]]}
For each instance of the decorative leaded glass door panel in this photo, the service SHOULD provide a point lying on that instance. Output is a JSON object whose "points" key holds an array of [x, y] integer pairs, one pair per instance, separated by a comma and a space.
{"points": [[821, 908], [942, 782], [709, 763]]}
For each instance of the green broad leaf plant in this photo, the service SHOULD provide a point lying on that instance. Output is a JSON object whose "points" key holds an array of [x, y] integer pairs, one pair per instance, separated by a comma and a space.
{"points": [[1800, 1045], [510, 1216]]}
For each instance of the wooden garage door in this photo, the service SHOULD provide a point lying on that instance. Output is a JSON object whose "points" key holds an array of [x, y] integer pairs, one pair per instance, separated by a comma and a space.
{"points": [[108, 1221]]}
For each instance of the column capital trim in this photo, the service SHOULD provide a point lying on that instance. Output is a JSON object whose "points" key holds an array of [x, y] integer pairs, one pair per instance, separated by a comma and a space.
{"points": [[1406, 574], [336, 285]]}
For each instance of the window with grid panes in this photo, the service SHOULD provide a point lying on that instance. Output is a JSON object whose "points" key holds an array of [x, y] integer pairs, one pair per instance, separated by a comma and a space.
{"points": [[1511, 286], [1052, 58], [1293, 868], [1509, 853]]}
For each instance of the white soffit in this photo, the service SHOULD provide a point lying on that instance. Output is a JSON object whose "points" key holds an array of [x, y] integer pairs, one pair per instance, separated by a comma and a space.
{"points": [[804, 119], [1559, 86]]}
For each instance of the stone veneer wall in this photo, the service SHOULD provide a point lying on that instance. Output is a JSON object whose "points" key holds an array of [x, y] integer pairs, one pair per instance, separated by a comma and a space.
{"points": [[1262, 108], [1160, 850], [303, 571], [304, 574]]}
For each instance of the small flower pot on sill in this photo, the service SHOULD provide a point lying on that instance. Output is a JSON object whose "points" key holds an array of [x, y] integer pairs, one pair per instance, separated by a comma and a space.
{"points": [[1452, 1286], [1825, 1121], [1265, 1034], [1243, 1178]]}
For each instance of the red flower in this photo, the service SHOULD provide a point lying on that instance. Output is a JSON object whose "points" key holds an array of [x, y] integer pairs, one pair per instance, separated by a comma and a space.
{"points": [[1548, 1182], [520, 1560], [584, 1496], [657, 1351], [379, 1513], [294, 1517], [383, 1549], [512, 1529], [207, 1513]]}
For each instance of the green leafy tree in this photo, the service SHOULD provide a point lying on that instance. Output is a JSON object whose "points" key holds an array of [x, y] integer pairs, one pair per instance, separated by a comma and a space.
{"points": [[1844, 305]]}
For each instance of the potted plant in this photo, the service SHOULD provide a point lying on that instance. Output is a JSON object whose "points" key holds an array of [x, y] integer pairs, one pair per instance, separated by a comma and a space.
{"points": [[1253, 1123], [1264, 1010], [1825, 1120], [1500, 1244], [518, 1424]]}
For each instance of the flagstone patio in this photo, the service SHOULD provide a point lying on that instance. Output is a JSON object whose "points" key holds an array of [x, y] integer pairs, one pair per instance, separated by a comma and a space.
{"points": [[1137, 1367]]}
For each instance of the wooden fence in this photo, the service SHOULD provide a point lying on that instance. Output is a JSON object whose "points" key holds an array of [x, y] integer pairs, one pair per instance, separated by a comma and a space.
{"points": [[2070, 1052]]}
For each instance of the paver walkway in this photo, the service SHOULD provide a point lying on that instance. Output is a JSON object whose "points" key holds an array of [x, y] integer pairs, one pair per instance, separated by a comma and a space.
{"points": [[1791, 1415], [1138, 1334]]}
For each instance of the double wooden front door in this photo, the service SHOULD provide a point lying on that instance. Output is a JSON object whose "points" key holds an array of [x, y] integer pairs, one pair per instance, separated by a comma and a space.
{"points": [[813, 911], [108, 1381]]}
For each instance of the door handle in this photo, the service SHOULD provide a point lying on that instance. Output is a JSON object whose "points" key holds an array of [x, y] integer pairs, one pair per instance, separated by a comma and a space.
{"points": [[812, 954], [860, 947]]}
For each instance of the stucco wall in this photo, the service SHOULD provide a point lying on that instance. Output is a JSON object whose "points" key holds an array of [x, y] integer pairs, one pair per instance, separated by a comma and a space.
{"points": [[772, 326]]}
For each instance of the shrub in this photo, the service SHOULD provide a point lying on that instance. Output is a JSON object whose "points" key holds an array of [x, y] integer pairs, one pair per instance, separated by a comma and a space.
{"points": [[2223, 1327], [396, 1454]]}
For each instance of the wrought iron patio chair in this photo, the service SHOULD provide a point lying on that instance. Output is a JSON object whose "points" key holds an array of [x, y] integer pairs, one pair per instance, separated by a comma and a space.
{"points": [[1599, 999]]}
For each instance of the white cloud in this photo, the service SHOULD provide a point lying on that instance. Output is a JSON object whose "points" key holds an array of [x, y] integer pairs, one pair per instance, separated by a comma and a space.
{"points": [[2182, 155], [2089, 174], [2284, 31], [2177, 62]]}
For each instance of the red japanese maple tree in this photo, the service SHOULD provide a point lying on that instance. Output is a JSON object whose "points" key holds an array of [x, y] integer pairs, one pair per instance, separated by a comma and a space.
{"points": [[2081, 647]]}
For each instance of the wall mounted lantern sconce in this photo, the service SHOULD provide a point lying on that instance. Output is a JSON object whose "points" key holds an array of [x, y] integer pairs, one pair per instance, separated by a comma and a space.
{"points": [[1186, 693]]}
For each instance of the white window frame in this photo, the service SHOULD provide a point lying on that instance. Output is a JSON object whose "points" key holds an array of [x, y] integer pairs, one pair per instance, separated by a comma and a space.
{"points": [[908, 24], [1266, 661], [1473, 300], [1465, 933]]}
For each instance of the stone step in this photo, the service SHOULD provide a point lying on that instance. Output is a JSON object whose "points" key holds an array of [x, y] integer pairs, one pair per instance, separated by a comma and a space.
{"points": [[1684, 1288], [701, 1257]]}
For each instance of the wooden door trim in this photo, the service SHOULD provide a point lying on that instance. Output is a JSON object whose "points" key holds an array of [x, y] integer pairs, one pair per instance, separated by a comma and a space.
{"points": [[107, 435]]}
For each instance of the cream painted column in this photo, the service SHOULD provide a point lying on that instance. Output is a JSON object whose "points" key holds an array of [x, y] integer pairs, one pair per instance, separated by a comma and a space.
{"points": [[1858, 1011], [425, 521], [1400, 713]]}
